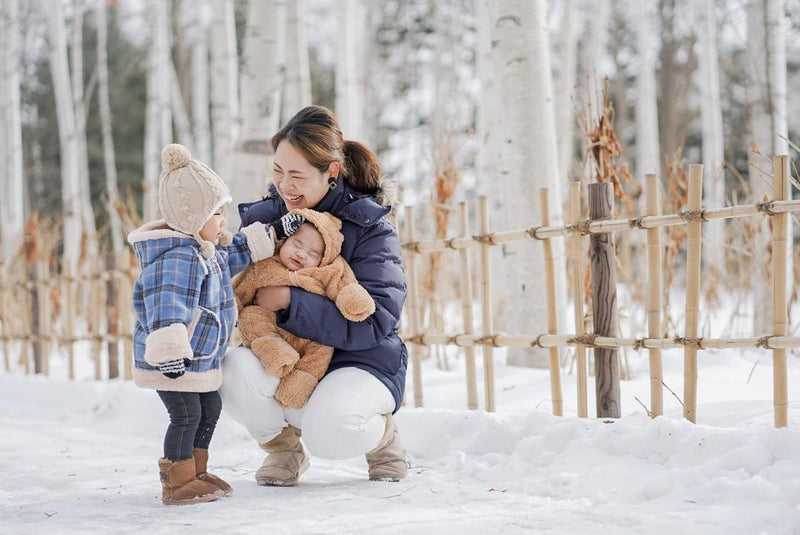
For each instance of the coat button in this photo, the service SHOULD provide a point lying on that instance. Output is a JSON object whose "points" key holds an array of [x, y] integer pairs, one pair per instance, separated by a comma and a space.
{"points": [[366, 221]]}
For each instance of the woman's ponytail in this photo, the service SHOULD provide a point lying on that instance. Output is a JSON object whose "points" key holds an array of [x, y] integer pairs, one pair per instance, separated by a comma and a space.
{"points": [[362, 170]]}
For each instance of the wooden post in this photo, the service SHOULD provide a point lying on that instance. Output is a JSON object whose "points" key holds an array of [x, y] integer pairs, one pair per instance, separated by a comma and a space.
{"points": [[577, 296], [111, 305], [604, 301], [780, 248], [70, 310], [413, 304], [486, 303], [653, 297], [35, 330], [125, 306], [552, 312], [5, 314], [466, 308], [692, 315]]}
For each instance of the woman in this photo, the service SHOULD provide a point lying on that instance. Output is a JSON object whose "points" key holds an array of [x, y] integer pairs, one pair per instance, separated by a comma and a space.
{"points": [[350, 412]]}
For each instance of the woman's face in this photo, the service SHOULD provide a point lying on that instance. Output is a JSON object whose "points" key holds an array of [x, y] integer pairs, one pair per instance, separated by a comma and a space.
{"points": [[302, 249], [300, 184]]}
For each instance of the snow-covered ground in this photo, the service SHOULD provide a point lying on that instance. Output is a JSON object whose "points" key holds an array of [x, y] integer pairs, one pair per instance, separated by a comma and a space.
{"points": [[78, 457]]}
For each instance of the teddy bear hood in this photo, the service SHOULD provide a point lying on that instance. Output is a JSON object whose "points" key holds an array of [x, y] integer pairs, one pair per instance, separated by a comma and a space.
{"points": [[327, 225]]}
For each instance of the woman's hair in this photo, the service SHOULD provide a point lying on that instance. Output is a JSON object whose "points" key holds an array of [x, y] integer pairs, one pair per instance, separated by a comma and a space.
{"points": [[315, 132]]}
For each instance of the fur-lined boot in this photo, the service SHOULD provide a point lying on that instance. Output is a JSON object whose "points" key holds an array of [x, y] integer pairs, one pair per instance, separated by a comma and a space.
{"points": [[387, 462], [180, 486], [285, 461], [201, 465]]}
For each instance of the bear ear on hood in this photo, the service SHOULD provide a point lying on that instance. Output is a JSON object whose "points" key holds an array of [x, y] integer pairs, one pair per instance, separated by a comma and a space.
{"points": [[334, 220]]}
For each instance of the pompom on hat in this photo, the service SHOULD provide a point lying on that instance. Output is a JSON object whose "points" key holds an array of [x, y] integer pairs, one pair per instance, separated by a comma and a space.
{"points": [[189, 194]]}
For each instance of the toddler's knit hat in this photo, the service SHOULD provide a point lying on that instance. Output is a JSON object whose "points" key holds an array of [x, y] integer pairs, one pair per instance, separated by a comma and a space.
{"points": [[189, 193]]}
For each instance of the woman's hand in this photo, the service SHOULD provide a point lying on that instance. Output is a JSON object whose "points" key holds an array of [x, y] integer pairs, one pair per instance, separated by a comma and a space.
{"points": [[274, 298]]}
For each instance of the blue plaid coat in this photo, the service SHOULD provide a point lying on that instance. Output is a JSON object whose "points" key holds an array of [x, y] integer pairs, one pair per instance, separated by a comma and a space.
{"points": [[184, 307]]}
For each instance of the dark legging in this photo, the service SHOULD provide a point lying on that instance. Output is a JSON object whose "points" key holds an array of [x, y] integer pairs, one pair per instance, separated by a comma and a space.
{"points": [[192, 419]]}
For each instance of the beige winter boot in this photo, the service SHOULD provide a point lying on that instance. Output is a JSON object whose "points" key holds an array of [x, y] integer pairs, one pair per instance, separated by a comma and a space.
{"points": [[387, 462], [179, 484], [286, 460], [200, 465]]}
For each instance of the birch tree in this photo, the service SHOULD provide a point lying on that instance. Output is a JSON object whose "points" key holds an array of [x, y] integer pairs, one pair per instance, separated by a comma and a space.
{"points": [[68, 140], [566, 87], [158, 123], [766, 102], [350, 82], [11, 173], [488, 135], [201, 123], [224, 88], [528, 156], [647, 147], [109, 158], [262, 79], [297, 89], [711, 127]]}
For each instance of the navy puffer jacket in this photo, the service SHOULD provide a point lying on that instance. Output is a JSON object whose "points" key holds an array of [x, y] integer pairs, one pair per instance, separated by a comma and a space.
{"points": [[372, 248]]}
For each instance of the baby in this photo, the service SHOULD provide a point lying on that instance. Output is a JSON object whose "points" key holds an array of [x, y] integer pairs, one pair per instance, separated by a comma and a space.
{"points": [[309, 259]]}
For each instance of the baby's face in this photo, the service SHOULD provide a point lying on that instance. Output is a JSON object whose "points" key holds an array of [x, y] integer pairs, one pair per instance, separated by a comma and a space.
{"points": [[302, 249], [213, 228]]}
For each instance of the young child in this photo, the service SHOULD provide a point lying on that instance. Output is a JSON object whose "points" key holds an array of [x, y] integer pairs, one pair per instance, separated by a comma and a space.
{"points": [[309, 259], [185, 313]]}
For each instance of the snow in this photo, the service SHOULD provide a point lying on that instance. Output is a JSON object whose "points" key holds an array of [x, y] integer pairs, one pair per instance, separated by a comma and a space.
{"points": [[80, 456]]}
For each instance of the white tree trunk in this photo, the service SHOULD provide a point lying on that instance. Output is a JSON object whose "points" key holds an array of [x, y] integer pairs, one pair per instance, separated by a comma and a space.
{"points": [[262, 79], [11, 174], [297, 89], [766, 100], [529, 158], [158, 123], [595, 66], [566, 89], [183, 125], [200, 84], [648, 158], [488, 112], [711, 125], [68, 140], [350, 81], [224, 89], [76, 55], [109, 159]]}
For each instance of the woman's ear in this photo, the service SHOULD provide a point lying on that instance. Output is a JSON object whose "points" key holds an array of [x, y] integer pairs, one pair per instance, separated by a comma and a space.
{"points": [[333, 169]]}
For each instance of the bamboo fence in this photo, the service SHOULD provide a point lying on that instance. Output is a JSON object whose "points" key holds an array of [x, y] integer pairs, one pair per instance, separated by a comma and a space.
{"points": [[45, 314], [652, 222]]}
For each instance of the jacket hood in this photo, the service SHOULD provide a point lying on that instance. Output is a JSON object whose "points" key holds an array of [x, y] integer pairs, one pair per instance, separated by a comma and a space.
{"points": [[153, 239], [329, 226]]}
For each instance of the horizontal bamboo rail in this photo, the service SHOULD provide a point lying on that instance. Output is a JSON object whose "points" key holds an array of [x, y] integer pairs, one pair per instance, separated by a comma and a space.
{"points": [[609, 225]]}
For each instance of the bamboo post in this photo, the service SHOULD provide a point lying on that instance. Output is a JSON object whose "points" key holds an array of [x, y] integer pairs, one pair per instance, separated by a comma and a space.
{"points": [[45, 330], [69, 310], [466, 308], [552, 314], [111, 305], [780, 246], [486, 304], [692, 315], [604, 302], [26, 331], [413, 304], [95, 285], [653, 297], [577, 296], [125, 307], [5, 313]]}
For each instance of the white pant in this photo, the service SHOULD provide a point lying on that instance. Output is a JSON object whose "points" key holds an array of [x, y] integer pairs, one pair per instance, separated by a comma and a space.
{"points": [[343, 417]]}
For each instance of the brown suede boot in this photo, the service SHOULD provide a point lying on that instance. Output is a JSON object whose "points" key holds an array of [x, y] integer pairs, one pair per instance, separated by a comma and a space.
{"points": [[387, 462], [286, 460], [200, 465], [179, 484]]}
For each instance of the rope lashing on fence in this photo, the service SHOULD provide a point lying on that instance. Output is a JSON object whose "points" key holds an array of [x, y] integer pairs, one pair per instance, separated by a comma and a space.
{"points": [[694, 215], [696, 343], [767, 207]]}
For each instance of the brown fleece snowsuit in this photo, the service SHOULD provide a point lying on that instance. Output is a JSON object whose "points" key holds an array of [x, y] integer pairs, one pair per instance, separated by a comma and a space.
{"points": [[300, 363]]}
